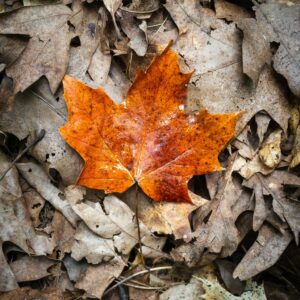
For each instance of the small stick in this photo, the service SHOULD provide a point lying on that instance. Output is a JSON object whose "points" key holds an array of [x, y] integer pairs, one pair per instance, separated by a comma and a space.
{"points": [[138, 223], [35, 141], [137, 274]]}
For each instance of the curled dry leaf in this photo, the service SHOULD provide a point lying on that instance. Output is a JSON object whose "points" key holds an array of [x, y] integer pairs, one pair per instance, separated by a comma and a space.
{"points": [[286, 208], [38, 179], [138, 39], [265, 251], [276, 22], [285, 22], [20, 230], [270, 153], [148, 138], [47, 27]]}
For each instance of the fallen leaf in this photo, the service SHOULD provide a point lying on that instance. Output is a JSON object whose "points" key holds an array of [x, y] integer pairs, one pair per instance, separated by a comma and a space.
{"points": [[10, 48], [264, 252], [255, 55], [229, 11], [214, 290], [191, 291], [75, 269], [62, 232], [87, 29], [129, 141], [296, 150], [6, 94], [164, 217], [270, 153], [37, 178], [285, 207], [29, 268], [276, 22], [115, 221], [47, 27], [212, 49], [34, 202], [219, 233], [89, 245], [112, 6], [138, 40], [27, 293], [20, 230], [33, 111], [104, 274]]}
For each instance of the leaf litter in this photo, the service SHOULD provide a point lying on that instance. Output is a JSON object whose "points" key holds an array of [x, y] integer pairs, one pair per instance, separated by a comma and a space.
{"points": [[64, 240]]}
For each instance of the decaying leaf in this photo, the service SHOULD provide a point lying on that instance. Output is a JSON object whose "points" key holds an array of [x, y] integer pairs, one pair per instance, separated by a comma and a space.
{"points": [[270, 153], [285, 22], [148, 138], [220, 234], [20, 230], [286, 208], [212, 49], [276, 22], [112, 6], [29, 268], [265, 251], [38, 179], [33, 111], [255, 55], [114, 221], [138, 40], [230, 11], [164, 217], [47, 27]]}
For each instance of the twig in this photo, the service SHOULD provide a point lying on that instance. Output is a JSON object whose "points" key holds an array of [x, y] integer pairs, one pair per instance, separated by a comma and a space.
{"points": [[137, 274], [35, 141], [138, 223]]}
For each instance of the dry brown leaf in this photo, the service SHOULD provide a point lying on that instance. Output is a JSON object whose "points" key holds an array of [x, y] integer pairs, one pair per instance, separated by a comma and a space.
{"points": [[270, 153], [63, 233], [212, 48], [138, 39], [112, 6], [214, 222], [229, 11], [164, 217], [296, 150], [29, 268], [285, 23], [27, 293], [264, 253], [87, 29], [98, 277], [20, 230], [95, 249], [33, 112], [115, 222], [47, 27], [191, 291], [37, 178], [286, 208], [253, 63]]}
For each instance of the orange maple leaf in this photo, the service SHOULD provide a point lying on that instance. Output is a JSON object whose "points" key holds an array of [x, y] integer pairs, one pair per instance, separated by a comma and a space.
{"points": [[148, 138]]}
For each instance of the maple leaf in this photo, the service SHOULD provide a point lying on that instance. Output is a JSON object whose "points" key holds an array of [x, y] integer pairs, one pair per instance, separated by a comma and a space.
{"points": [[146, 139]]}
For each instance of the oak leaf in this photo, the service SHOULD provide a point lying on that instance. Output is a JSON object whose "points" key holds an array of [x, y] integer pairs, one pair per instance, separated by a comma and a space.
{"points": [[148, 138]]}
